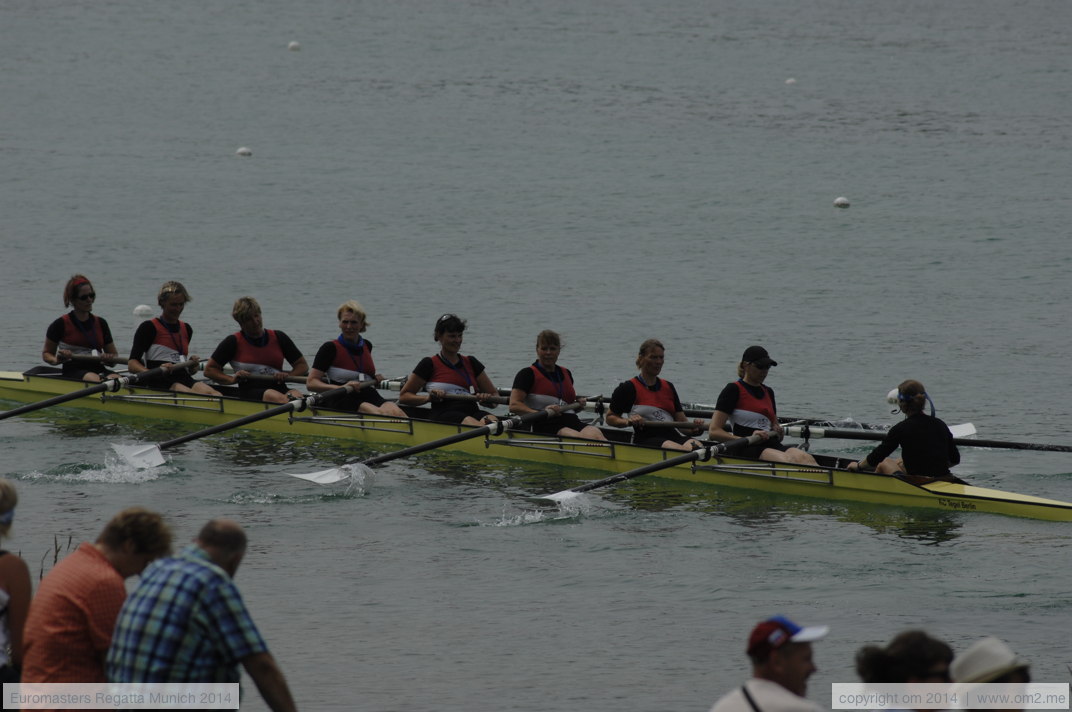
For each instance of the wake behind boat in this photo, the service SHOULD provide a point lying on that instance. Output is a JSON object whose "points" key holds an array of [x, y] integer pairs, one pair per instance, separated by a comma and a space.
{"points": [[828, 480]]}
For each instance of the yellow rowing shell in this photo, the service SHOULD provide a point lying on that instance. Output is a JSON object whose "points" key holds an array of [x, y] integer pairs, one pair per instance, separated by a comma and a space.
{"points": [[824, 482]]}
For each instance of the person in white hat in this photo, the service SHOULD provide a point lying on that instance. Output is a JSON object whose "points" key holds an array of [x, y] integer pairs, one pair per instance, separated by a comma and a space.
{"points": [[990, 660], [782, 662]]}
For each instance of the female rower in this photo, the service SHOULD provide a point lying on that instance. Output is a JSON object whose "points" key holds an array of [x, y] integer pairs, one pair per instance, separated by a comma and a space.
{"points": [[648, 397], [749, 406], [347, 360], [546, 385], [164, 341], [254, 350], [926, 444], [15, 592], [450, 373], [79, 333]]}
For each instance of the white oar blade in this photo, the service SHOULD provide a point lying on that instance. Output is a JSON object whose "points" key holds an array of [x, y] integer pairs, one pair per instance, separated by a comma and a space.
{"points": [[963, 430], [323, 477], [140, 456], [563, 496]]}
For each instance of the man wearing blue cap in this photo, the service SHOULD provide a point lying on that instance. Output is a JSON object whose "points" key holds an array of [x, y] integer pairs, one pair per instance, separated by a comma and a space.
{"points": [[781, 665]]}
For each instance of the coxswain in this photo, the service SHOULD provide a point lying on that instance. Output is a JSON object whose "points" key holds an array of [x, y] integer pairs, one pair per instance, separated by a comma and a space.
{"points": [[927, 448]]}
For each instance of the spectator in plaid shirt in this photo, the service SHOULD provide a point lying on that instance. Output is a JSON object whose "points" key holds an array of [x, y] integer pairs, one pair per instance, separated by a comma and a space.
{"points": [[186, 622]]}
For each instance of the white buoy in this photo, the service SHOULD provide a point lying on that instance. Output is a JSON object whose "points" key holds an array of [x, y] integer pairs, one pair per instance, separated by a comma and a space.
{"points": [[243, 151], [143, 311], [294, 47], [790, 80], [842, 202]]}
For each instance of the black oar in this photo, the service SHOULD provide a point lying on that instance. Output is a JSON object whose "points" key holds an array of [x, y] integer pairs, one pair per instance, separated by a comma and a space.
{"points": [[145, 456], [813, 432], [338, 474], [702, 454], [111, 384]]}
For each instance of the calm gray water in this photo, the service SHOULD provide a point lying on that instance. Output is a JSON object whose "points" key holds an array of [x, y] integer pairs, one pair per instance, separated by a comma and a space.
{"points": [[614, 171]]}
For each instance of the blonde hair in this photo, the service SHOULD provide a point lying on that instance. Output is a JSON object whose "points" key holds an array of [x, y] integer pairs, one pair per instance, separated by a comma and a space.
{"points": [[168, 289], [647, 347], [353, 306], [8, 499], [244, 308]]}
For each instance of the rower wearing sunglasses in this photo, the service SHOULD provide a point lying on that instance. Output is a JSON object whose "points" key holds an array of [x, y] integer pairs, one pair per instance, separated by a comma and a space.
{"points": [[747, 406], [79, 333]]}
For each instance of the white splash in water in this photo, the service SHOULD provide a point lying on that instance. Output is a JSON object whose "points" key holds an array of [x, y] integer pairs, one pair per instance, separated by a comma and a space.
{"points": [[114, 471], [360, 480]]}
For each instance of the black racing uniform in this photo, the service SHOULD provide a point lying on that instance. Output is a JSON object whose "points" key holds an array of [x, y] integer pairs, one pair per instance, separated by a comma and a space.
{"points": [[926, 446]]}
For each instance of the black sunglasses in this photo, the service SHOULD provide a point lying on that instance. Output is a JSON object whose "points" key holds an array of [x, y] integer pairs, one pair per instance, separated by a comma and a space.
{"points": [[83, 297]]}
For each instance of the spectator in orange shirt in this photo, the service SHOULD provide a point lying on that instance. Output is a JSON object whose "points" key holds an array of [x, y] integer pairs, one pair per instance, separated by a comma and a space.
{"points": [[71, 618]]}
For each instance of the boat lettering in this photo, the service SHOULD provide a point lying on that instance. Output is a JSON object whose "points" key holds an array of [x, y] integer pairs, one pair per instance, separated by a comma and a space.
{"points": [[956, 504]]}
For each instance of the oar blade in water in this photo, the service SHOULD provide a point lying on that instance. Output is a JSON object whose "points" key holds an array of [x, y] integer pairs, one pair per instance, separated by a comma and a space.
{"points": [[140, 456], [352, 471]]}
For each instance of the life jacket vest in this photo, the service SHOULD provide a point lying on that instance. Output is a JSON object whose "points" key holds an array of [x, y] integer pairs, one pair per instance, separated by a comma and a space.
{"points": [[267, 358], [751, 412], [349, 366], [550, 390], [452, 379], [82, 339], [168, 346], [653, 403]]}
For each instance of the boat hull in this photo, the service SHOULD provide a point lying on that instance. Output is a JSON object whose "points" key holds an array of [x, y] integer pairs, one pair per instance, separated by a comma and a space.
{"points": [[825, 482]]}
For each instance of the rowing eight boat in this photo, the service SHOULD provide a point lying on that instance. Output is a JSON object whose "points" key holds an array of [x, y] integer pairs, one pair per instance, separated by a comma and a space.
{"points": [[828, 481]]}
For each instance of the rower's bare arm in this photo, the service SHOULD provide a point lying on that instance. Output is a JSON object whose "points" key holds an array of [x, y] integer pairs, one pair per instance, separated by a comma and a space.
{"points": [[49, 353], [136, 366], [316, 382], [517, 402], [718, 431], [616, 420], [409, 394], [299, 367], [214, 372], [485, 386]]}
